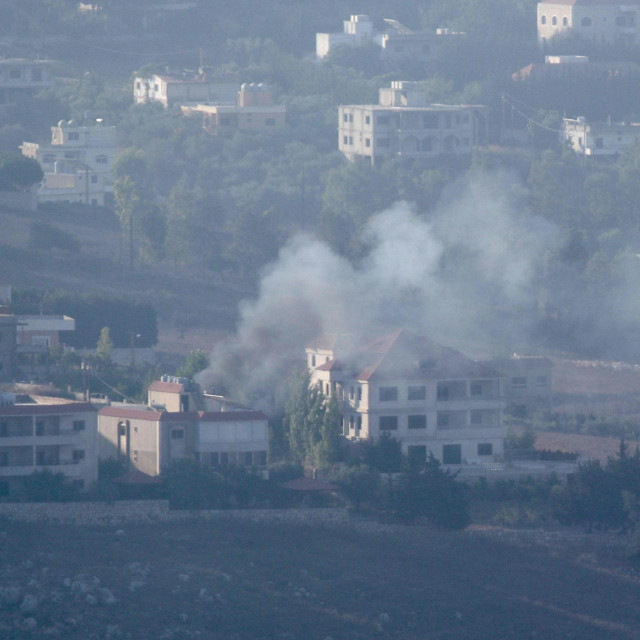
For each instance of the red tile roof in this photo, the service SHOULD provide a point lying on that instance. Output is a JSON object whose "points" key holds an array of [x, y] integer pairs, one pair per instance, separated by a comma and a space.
{"points": [[185, 416], [45, 409]]}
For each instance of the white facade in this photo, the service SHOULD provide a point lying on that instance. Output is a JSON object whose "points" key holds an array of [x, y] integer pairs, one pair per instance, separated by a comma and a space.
{"points": [[173, 90], [431, 399], [405, 124], [600, 21], [59, 436], [77, 164], [358, 30], [599, 139]]}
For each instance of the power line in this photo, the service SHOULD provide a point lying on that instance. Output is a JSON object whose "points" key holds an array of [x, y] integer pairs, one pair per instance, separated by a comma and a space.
{"points": [[106, 384], [528, 118]]}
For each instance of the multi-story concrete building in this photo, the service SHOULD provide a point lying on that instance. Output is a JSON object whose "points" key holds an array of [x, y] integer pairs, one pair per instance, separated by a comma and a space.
{"points": [[254, 110], [405, 124], [432, 399], [601, 21], [177, 89], [21, 78], [8, 340], [573, 67], [174, 425], [598, 139], [528, 384], [47, 433], [396, 42], [77, 164]]}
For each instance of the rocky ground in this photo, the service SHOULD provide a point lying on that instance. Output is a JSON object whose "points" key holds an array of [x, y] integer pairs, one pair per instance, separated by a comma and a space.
{"points": [[244, 579]]}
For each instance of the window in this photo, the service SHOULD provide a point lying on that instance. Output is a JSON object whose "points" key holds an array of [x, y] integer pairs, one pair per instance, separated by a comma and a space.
{"points": [[138, 85], [155, 87], [418, 422], [358, 424], [443, 419], [417, 393], [177, 434], [388, 423], [476, 389], [15, 74], [388, 394], [350, 139], [36, 75], [485, 449], [328, 389], [476, 418], [585, 22], [313, 361], [122, 430], [367, 142], [543, 19], [565, 22], [345, 117], [345, 140], [351, 393], [452, 454], [554, 20], [541, 381], [39, 427], [78, 455], [351, 117], [102, 160], [4, 429], [367, 119], [359, 394], [443, 392], [74, 135], [78, 425], [417, 455], [270, 122], [518, 383]]}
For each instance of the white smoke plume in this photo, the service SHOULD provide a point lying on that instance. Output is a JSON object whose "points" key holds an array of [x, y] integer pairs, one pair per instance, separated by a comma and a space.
{"points": [[451, 276]]}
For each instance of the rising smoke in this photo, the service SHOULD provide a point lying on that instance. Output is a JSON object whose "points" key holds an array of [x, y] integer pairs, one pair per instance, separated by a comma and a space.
{"points": [[460, 277]]}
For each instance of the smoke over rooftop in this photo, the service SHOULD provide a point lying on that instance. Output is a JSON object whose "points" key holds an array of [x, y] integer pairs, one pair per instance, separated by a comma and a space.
{"points": [[457, 277]]}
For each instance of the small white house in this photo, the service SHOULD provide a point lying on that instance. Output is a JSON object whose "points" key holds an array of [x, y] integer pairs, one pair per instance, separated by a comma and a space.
{"points": [[599, 139]]}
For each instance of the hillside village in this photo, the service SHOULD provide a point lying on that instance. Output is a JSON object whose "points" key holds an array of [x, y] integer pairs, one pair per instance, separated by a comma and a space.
{"points": [[371, 281]]}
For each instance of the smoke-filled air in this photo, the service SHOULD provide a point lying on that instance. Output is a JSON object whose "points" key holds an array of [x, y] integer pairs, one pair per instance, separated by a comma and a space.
{"points": [[466, 275]]}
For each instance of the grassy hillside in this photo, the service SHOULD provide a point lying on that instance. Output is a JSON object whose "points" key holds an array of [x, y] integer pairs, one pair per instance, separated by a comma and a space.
{"points": [[209, 303], [240, 580]]}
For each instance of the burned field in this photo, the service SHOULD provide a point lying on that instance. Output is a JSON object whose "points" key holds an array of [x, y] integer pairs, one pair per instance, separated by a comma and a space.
{"points": [[248, 580]]}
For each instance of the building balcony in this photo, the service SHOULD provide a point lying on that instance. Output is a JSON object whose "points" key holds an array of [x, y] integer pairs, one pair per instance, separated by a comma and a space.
{"points": [[470, 432], [70, 468]]}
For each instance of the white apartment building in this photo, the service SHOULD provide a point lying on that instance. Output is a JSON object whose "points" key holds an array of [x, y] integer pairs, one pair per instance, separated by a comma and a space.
{"points": [[405, 124], [358, 30], [20, 78], [172, 90], [598, 139], [432, 399], [76, 164], [47, 433], [175, 425], [601, 21]]}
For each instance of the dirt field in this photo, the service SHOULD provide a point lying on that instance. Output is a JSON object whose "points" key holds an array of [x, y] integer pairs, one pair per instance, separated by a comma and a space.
{"points": [[244, 581]]}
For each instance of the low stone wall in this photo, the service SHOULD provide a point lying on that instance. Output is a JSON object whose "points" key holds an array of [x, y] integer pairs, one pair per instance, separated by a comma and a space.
{"points": [[140, 511]]}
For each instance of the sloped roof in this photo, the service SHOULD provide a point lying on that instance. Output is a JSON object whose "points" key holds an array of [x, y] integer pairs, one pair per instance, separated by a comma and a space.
{"points": [[406, 355], [167, 387]]}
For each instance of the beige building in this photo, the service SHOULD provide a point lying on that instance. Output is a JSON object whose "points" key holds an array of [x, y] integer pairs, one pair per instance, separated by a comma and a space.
{"points": [[254, 110], [174, 425], [598, 139], [432, 399], [77, 164], [600, 21], [47, 433], [528, 383], [405, 124], [177, 89]]}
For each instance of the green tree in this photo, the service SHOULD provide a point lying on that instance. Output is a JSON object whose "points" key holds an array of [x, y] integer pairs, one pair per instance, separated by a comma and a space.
{"points": [[196, 361], [19, 173], [329, 449], [105, 345], [359, 484]]}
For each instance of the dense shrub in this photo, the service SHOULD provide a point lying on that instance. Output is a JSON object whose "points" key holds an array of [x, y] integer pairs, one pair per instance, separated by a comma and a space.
{"points": [[359, 484], [45, 486]]}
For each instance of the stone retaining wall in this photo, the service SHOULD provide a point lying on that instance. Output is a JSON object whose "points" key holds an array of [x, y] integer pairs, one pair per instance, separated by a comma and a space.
{"points": [[141, 511]]}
